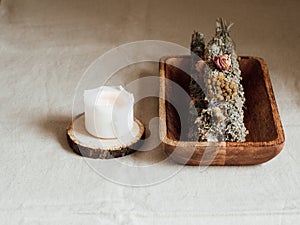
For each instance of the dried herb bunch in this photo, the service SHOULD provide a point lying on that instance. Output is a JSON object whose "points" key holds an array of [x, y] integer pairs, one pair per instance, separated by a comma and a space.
{"points": [[220, 101]]}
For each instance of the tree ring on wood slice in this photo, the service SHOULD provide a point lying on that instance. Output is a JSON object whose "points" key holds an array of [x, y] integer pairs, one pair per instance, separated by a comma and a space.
{"points": [[90, 146]]}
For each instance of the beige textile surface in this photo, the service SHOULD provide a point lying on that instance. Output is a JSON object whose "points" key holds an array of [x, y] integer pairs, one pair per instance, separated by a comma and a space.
{"points": [[45, 46]]}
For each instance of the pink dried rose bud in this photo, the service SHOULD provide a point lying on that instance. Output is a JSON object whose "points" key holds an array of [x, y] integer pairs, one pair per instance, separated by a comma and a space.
{"points": [[200, 65], [193, 102], [223, 62]]}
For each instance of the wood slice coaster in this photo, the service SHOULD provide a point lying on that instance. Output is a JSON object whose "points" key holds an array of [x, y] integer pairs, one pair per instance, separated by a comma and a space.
{"points": [[90, 146]]}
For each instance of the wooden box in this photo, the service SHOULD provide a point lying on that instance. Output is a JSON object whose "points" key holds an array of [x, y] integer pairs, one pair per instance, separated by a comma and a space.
{"points": [[265, 139]]}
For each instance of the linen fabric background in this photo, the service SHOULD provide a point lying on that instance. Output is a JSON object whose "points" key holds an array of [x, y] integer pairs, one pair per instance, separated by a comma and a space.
{"points": [[45, 47]]}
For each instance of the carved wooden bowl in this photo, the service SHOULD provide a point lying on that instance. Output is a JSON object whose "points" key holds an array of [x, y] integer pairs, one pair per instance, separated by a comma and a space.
{"points": [[265, 139]]}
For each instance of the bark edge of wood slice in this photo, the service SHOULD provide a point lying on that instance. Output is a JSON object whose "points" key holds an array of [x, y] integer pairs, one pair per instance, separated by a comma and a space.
{"points": [[86, 145]]}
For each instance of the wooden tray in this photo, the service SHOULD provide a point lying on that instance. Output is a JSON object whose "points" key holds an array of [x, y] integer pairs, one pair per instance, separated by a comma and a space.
{"points": [[265, 139]]}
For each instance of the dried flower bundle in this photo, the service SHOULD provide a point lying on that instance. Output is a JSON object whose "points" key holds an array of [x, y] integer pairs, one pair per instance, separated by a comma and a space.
{"points": [[216, 91]]}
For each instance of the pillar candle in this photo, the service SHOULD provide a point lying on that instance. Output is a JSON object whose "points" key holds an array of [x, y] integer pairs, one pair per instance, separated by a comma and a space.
{"points": [[108, 111]]}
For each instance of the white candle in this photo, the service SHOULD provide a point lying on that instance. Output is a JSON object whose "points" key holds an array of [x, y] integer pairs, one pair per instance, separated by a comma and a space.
{"points": [[108, 111]]}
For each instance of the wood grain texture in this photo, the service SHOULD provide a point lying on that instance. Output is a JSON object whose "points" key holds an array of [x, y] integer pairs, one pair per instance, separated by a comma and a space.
{"points": [[102, 150], [265, 139]]}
